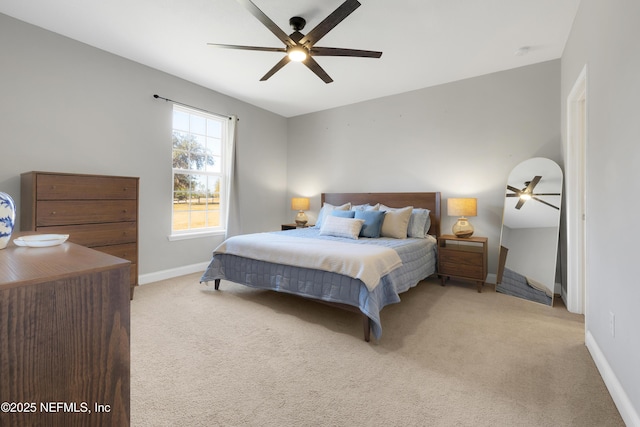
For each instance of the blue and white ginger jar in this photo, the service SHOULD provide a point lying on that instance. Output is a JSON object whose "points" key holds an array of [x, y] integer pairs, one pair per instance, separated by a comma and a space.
{"points": [[7, 218]]}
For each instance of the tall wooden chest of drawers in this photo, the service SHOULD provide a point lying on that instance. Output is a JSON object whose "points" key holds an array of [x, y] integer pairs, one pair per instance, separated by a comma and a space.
{"points": [[97, 211]]}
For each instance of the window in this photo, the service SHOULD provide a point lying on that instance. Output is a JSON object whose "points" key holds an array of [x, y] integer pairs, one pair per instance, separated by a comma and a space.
{"points": [[199, 172]]}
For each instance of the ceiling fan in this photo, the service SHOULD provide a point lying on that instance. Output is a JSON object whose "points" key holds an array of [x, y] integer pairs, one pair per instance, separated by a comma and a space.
{"points": [[527, 193], [300, 47]]}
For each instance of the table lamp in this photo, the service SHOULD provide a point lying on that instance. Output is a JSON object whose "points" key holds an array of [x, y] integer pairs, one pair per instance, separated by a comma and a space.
{"points": [[300, 204], [462, 208]]}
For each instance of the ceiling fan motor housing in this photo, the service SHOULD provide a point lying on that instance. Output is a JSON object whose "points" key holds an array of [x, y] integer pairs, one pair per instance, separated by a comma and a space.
{"points": [[297, 23]]}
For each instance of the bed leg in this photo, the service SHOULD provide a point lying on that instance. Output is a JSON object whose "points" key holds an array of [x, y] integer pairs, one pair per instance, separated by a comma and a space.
{"points": [[366, 323], [216, 284]]}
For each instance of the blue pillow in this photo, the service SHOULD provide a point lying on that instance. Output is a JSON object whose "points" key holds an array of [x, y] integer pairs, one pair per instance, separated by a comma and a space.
{"points": [[372, 223], [343, 214]]}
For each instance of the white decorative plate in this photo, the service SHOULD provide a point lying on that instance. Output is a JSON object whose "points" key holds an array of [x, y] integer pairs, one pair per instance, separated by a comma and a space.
{"points": [[41, 240]]}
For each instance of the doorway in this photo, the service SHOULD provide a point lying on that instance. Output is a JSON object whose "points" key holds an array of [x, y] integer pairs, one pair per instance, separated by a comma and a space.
{"points": [[576, 179]]}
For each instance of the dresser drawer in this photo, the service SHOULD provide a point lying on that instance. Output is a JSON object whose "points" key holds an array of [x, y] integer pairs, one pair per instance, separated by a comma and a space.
{"points": [[133, 275], [84, 212], [92, 235], [68, 187], [128, 251]]}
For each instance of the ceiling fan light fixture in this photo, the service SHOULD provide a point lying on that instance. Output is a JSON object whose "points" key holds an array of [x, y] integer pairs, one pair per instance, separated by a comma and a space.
{"points": [[525, 196], [297, 53], [302, 47]]}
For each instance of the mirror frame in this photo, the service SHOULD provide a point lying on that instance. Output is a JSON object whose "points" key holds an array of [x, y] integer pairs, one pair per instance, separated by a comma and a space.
{"points": [[529, 236]]}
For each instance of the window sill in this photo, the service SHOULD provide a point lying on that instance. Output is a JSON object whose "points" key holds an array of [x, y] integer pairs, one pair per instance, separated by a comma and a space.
{"points": [[195, 235]]}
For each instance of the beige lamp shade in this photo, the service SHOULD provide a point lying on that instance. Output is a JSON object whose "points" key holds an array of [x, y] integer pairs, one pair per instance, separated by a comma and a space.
{"points": [[300, 204], [462, 208]]}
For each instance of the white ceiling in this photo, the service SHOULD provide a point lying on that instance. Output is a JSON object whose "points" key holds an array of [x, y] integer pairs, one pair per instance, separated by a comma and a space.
{"points": [[424, 42]]}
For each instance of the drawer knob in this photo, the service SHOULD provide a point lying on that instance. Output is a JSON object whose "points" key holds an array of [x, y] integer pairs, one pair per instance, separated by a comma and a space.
{"points": [[53, 213], [124, 211]]}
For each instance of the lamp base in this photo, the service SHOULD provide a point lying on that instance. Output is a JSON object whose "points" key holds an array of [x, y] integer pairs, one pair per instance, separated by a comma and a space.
{"points": [[301, 219], [462, 228]]}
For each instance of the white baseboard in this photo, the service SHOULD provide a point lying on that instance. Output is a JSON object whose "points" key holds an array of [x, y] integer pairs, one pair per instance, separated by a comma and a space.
{"points": [[625, 407], [143, 279], [491, 278]]}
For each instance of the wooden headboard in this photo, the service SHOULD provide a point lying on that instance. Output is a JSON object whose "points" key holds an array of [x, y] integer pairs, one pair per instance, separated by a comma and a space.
{"points": [[429, 201]]}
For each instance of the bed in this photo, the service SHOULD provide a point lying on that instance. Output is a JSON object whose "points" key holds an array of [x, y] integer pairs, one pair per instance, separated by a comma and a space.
{"points": [[362, 274]]}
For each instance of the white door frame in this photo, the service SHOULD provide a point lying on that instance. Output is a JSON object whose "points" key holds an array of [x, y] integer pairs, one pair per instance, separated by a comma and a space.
{"points": [[576, 184]]}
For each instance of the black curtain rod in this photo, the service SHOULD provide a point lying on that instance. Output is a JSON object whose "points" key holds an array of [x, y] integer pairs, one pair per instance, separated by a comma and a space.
{"points": [[156, 96]]}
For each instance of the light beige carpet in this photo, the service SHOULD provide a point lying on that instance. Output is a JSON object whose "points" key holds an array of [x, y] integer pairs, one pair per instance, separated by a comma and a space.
{"points": [[448, 356]]}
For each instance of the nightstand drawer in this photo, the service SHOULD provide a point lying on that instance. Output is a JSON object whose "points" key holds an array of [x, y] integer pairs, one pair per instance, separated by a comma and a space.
{"points": [[461, 257], [462, 270]]}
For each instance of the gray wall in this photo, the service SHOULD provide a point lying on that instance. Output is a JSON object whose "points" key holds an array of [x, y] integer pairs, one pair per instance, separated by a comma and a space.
{"points": [[68, 107], [604, 36], [461, 138]]}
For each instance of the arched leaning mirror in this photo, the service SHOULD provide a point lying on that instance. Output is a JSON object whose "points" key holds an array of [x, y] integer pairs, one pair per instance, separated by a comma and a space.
{"points": [[530, 230]]}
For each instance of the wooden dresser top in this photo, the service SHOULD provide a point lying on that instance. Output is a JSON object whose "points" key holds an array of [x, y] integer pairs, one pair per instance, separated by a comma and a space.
{"points": [[21, 266]]}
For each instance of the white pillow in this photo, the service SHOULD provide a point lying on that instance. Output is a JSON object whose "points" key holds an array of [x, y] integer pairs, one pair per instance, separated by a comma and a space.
{"points": [[396, 222], [341, 227], [365, 207], [419, 223], [326, 211]]}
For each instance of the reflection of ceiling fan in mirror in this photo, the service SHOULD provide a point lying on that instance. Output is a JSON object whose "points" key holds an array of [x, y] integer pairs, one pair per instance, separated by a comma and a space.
{"points": [[300, 47], [527, 193]]}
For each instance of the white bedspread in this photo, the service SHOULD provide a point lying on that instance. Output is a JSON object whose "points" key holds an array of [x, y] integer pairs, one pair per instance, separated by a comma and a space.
{"points": [[368, 263]]}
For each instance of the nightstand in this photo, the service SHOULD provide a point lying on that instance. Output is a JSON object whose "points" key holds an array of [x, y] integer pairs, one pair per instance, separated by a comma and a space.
{"points": [[293, 226], [462, 258]]}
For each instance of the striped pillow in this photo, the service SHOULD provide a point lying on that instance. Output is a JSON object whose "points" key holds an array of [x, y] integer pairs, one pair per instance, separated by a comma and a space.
{"points": [[341, 227]]}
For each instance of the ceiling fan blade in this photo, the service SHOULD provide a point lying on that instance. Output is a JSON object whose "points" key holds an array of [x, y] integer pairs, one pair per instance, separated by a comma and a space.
{"points": [[264, 49], [545, 194], [336, 51], [514, 189], [536, 179], [520, 203], [344, 10], [548, 204], [317, 69], [513, 195], [267, 22], [284, 61]]}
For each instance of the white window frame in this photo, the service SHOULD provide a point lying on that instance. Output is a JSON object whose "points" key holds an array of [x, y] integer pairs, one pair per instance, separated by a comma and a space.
{"points": [[223, 176]]}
